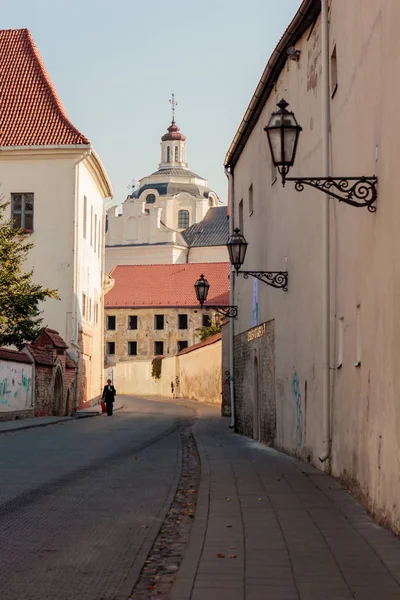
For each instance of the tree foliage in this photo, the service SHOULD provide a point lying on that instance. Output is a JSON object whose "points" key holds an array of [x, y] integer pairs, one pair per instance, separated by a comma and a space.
{"points": [[19, 297], [208, 330]]}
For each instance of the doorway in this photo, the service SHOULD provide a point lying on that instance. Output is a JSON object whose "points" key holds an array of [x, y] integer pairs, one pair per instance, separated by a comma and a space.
{"points": [[256, 401], [58, 394]]}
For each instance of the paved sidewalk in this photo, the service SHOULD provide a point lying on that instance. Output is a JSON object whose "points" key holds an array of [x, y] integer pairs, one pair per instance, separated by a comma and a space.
{"points": [[21, 424], [269, 527]]}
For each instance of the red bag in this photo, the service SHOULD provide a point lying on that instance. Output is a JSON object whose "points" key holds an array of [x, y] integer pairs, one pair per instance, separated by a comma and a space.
{"points": [[103, 407]]}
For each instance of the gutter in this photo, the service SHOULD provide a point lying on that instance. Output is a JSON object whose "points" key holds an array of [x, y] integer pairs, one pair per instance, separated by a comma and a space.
{"points": [[229, 174]]}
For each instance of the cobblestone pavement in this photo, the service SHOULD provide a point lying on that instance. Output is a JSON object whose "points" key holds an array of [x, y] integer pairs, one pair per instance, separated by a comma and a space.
{"points": [[81, 503]]}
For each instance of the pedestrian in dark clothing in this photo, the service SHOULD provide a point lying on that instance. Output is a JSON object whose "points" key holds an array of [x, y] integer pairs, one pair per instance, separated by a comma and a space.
{"points": [[109, 396]]}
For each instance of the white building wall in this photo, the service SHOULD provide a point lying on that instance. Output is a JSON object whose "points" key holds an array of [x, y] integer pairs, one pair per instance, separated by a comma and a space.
{"points": [[51, 177], [16, 386]]}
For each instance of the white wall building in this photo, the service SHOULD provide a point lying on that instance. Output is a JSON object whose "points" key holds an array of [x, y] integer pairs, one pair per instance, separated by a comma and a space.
{"points": [[56, 186], [151, 227]]}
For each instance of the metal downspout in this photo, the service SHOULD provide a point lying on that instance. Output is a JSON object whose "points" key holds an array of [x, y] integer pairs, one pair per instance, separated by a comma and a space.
{"points": [[229, 174], [325, 236]]}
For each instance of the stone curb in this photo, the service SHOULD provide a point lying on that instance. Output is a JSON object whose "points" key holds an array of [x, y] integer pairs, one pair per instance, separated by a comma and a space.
{"points": [[36, 425]]}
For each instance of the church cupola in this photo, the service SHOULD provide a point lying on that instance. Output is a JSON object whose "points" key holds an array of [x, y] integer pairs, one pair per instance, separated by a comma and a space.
{"points": [[173, 144]]}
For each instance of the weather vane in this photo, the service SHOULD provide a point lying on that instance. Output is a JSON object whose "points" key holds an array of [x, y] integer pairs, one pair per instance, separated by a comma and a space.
{"points": [[174, 104]]}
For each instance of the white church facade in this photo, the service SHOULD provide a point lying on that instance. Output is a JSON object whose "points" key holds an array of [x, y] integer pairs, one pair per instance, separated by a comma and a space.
{"points": [[172, 217]]}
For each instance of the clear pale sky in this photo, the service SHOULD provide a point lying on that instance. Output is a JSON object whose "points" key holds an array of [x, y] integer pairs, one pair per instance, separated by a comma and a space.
{"points": [[115, 64]]}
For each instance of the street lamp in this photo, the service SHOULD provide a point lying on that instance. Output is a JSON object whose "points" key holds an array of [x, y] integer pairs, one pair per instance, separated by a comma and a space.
{"points": [[201, 288], [283, 133], [237, 247]]}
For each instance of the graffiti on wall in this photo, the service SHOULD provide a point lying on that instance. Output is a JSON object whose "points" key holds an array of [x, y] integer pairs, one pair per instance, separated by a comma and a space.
{"points": [[15, 386], [299, 411]]}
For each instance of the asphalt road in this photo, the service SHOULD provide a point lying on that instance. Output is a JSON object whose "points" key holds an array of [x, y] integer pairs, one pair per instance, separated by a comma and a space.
{"points": [[81, 502]]}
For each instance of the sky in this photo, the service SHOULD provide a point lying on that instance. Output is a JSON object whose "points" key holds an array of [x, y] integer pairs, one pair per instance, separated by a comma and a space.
{"points": [[115, 64]]}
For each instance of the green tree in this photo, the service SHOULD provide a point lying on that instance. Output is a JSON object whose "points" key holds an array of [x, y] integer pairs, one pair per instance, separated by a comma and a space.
{"points": [[19, 297], [208, 330]]}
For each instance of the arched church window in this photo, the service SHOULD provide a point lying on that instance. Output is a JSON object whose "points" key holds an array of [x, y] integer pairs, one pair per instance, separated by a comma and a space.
{"points": [[183, 219], [150, 199], [168, 154], [176, 154]]}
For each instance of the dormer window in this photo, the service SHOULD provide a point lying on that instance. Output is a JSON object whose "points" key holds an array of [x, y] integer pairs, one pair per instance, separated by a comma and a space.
{"points": [[150, 199], [183, 219]]}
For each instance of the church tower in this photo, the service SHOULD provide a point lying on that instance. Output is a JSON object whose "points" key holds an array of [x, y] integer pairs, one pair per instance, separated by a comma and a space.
{"points": [[173, 144]]}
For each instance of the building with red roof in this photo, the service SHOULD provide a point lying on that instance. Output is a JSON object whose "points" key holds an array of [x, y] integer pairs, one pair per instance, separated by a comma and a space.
{"points": [[56, 186], [153, 310]]}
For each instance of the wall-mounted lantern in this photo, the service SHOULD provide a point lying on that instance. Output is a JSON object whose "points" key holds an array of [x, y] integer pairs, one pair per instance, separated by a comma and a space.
{"points": [[283, 133], [237, 247], [201, 287]]}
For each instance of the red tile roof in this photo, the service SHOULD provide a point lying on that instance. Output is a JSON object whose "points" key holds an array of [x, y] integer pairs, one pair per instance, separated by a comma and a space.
{"points": [[14, 355], [31, 113], [54, 337], [41, 357], [167, 285], [207, 342]]}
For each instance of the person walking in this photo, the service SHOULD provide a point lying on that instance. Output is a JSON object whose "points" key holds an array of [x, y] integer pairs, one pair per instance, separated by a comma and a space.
{"points": [[109, 396]]}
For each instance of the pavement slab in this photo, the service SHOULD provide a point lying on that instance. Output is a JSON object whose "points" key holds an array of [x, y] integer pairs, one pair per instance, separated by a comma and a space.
{"points": [[295, 533]]}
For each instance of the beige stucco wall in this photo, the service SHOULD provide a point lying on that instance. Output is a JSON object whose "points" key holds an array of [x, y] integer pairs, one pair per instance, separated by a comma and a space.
{"points": [[285, 232], [145, 335], [200, 374], [195, 375]]}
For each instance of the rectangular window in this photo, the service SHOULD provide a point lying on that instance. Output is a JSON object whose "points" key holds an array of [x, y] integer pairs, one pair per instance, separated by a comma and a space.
{"points": [[95, 233], [206, 320], [91, 225], [241, 227], [182, 344], [84, 217], [182, 321], [132, 348], [340, 343], [22, 211], [158, 348], [96, 312], [251, 209], [99, 240], [110, 347], [111, 323], [358, 336], [132, 322], [83, 305], [334, 73], [90, 310], [158, 321]]}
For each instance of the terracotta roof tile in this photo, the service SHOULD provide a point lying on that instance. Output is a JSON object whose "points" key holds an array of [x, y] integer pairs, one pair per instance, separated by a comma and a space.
{"points": [[14, 355], [31, 113], [55, 338], [207, 342], [41, 357], [167, 285]]}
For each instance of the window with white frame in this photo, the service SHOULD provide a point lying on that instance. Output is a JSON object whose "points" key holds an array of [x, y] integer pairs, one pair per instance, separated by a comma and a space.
{"points": [[83, 305], [22, 211], [84, 217]]}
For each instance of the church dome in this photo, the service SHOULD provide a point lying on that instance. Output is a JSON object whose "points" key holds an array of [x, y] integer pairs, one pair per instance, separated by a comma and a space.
{"points": [[173, 134]]}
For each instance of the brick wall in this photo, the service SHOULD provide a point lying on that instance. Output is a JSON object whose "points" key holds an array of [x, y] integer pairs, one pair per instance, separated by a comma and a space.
{"points": [[255, 351]]}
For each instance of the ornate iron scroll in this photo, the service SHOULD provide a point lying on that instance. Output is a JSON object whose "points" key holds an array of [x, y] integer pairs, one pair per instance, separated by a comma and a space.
{"points": [[356, 191], [276, 279]]}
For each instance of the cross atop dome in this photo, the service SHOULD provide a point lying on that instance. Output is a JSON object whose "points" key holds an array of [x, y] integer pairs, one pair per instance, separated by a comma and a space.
{"points": [[174, 103]]}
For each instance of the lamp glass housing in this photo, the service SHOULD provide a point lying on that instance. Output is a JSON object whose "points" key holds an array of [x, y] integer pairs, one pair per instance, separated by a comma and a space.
{"points": [[237, 248], [283, 133], [201, 287]]}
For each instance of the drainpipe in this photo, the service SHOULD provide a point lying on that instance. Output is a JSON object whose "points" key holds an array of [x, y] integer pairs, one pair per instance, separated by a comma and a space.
{"points": [[325, 235], [229, 174], [75, 300]]}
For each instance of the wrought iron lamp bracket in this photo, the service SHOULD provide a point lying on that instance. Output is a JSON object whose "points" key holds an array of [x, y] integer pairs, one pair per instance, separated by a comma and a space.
{"points": [[276, 279], [356, 191], [226, 311]]}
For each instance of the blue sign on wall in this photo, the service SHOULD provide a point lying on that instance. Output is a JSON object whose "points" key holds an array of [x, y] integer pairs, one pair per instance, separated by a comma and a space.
{"points": [[255, 302]]}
